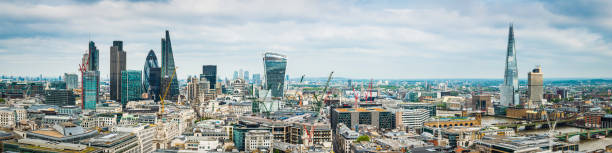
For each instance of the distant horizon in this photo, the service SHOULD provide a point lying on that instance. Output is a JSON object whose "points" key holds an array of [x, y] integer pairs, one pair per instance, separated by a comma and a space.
{"points": [[357, 39]]}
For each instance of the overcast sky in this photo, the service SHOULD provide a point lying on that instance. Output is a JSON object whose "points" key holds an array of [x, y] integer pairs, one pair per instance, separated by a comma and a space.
{"points": [[356, 39]]}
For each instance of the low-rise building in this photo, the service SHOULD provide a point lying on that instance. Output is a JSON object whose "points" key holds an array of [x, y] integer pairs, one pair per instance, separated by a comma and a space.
{"points": [[117, 142], [144, 132], [258, 140]]}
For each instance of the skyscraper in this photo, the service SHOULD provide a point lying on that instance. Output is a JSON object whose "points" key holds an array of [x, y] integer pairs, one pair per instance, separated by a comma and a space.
{"points": [[210, 73], [94, 56], [151, 78], [535, 85], [235, 75], [257, 79], [168, 69], [72, 81], [91, 89], [90, 78], [117, 64], [509, 90], [274, 72], [131, 88], [246, 76]]}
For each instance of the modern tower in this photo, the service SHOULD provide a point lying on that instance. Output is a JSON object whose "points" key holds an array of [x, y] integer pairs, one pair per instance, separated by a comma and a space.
{"points": [[72, 81], [91, 89], [151, 76], [274, 72], [168, 69], [94, 57], [131, 88], [117, 64], [210, 73], [509, 90], [535, 86]]}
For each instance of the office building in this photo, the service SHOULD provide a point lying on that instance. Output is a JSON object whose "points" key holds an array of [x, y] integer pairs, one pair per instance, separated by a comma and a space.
{"points": [[239, 133], [57, 85], [257, 79], [350, 117], [521, 144], [117, 142], [209, 72], [144, 133], [63, 132], [59, 97], [117, 64], [168, 69], [535, 87], [510, 87], [481, 102], [93, 59], [411, 118], [235, 75], [91, 89], [37, 145], [274, 73], [258, 140], [131, 88], [151, 77], [343, 138], [246, 76], [427, 106], [72, 81]]}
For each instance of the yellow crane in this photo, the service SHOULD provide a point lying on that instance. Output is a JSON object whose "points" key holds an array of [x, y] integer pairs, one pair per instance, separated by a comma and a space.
{"points": [[166, 92]]}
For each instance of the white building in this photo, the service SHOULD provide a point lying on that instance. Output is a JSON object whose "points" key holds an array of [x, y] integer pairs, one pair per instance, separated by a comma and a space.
{"points": [[7, 118], [257, 140], [144, 132], [201, 144], [411, 118], [118, 142]]}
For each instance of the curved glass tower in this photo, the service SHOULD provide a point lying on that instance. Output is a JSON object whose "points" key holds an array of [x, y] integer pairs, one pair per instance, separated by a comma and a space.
{"points": [[274, 72], [151, 76], [509, 90]]}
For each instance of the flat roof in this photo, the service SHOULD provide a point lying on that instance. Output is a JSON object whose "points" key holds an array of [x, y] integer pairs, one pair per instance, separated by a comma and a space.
{"points": [[360, 110]]}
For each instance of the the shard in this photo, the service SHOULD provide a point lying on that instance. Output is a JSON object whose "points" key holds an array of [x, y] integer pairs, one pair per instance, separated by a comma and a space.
{"points": [[509, 90], [168, 70]]}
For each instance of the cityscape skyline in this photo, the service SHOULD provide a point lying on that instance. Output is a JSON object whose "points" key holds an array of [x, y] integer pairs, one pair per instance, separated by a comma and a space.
{"points": [[551, 36]]}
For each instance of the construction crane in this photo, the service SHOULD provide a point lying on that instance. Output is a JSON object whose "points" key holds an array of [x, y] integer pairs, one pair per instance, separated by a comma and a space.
{"points": [[166, 93], [318, 104], [356, 98]]}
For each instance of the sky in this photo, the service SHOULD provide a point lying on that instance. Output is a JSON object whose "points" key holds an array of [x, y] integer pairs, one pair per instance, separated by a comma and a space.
{"points": [[380, 39]]}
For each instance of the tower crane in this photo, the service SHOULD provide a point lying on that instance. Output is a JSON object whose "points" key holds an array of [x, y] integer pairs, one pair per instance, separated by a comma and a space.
{"points": [[318, 104], [166, 93]]}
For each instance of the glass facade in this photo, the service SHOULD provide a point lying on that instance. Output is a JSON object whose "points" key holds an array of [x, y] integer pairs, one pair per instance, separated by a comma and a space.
{"points": [[131, 88], [94, 56], [151, 78], [91, 89], [117, 64], [168, 68], [72, 81], [509, 90], [274, 72], [210, 73]]}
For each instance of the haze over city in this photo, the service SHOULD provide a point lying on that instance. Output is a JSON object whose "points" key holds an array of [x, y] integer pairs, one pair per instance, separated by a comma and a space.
{"points": [[356, 39]]}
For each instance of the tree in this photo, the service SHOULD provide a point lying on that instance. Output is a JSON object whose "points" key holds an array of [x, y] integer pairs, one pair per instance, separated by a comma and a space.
{"points": [[363, 138]]}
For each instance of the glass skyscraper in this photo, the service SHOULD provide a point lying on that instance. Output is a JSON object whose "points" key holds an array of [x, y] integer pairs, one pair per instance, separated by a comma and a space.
{"points": [[274, 72], [131, 88], [91, 89], [168, 69], [509, 90], [210, 73], [147, 78], [94, 56]]}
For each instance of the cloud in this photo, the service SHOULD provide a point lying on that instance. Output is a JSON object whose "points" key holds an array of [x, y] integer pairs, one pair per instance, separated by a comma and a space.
{"points": [[362, 39]]}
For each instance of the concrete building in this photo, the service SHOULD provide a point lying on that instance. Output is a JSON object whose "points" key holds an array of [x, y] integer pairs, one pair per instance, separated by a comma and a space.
{"points": [[117, 142], [411, 118], [37, 145], [64, 132], [481, 102], [258, 140], [143, 132], [377, 117], [428, 106], [535, 87], [343, 138], [523, 144]]}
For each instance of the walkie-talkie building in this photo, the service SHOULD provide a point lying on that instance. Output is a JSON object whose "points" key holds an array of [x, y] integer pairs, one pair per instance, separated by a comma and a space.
{"points": [[274, 72], [509, 90]]}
